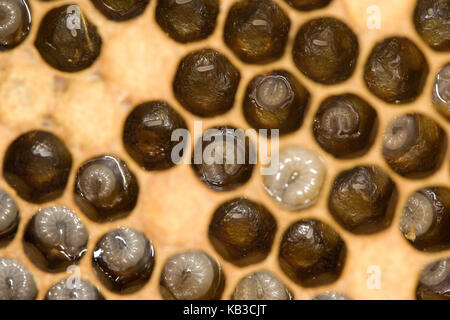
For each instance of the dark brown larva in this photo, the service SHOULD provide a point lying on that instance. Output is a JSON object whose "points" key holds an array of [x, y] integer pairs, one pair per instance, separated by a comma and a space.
{"points": [[312, 253], [257, 30], [242, 231], [363, 199], [326, 50], [67, 40], [37, 165], [396, 70]]}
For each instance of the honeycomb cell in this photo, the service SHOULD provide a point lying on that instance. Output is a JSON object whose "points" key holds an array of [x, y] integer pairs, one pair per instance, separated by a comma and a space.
{"points": [[432, 22], [363, 199], [257, 31], [308, 5], [396, 70], [191, 275], [441, 92], [425, 219], [275, 100], [413, 145], [55, 238], [434, 281], [223, 159], [15, 23], [187, 20], [296, 179], [326, 50], [345, 125], [105, 189], [261, 285], [121, 10], [16, 282], [205, 83], [123, 260], [9, 218], [37, 165], [73, 289], [67, 40], [147, 135], [242, 231], [312, 253]]}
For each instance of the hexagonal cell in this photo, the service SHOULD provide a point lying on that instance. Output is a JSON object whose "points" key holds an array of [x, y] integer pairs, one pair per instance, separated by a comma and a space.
{"points": [[222, 158], [206, 82], [67, 40], [425, 219], [257, 30], [345, 125], [432, 22], [105, 189], [312, 253], [363, 199], [9, 218], [147, 134], [37, 165], [123, 260], [326, 50], [55, 238], [15, 23], [242, 231], [275, 100], [187, 20], [396, 70], [73, 289], [17, 282], [414, 145]]}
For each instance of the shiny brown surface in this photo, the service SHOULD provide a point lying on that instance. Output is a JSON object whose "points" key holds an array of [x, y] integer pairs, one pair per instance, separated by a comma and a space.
{"points": [[137, 64]]}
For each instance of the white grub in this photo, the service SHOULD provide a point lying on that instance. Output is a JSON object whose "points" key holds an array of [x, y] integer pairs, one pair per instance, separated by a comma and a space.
{"points": [[8, 211], [16, 283], [273, 92], [298, 180], [435, 273], [60, 226], [399, 132], [262, 285], [417, 216], [189, 275], [122, 249], [79, 289]]}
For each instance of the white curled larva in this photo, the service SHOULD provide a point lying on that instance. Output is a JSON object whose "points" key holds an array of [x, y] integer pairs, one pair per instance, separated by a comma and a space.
{"points": [[331, 296], [262, 285], [122, 249], [435, 273], [73, 290], [60, 226], [298, 180], [11, 17], [400, 133], [16, 283], [273, 92], [441, 89], [190, 275], [417, 216], [8, 211], [97, 182]]}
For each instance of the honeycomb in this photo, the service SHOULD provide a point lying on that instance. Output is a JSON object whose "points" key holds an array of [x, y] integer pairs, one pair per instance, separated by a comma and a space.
{"points": [[137, 63]]}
